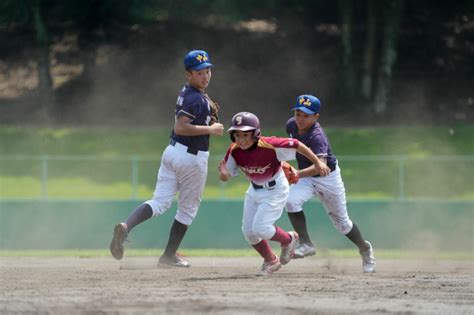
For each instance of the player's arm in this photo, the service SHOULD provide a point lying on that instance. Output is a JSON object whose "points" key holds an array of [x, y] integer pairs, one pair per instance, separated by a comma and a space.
{"points": [[227, 167], [311, 170], [319, 165], [183, 127], [224, 174]]}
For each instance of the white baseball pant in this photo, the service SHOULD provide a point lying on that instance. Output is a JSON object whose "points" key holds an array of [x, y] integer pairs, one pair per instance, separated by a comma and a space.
{"points": [[184, 173]]}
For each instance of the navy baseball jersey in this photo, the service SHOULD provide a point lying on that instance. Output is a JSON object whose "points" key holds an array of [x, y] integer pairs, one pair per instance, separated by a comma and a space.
{"points": [[193, 104], [261, 162], [316, 140]]}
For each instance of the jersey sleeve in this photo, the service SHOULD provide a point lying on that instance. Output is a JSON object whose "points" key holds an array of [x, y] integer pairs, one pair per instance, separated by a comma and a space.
{"points": [[231, 164], [285, 154], [319, 145], [191, 107], [285, 148]]}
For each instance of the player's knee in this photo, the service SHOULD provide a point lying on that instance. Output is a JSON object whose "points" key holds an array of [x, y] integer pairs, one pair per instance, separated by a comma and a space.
{"points": [[158, 207], [293, 205], [342, 224], [265, 232], [250, 236], [185, 217]]}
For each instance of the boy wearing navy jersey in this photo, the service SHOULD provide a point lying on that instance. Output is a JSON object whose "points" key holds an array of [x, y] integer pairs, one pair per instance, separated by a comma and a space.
{"points": [[184, 163], [304, 127], [259, 158]]}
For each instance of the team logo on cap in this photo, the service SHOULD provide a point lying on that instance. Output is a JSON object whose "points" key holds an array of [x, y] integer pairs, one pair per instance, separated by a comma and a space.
{"points": [[305, 102], [201, 58]]}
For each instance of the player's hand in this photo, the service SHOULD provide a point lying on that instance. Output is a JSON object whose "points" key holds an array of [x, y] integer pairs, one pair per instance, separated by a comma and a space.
{"points": [[224, 174], [217, 129], [323, 169]]}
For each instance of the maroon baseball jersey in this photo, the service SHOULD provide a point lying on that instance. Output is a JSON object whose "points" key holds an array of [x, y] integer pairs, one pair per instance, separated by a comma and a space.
{"points": [[261, 162]]}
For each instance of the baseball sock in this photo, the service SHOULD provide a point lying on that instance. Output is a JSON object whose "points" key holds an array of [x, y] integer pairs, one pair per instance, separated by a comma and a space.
{"points": [[176, 236], [281, 236], [298, 220], [356, 237], [264, 249], [141, 213]]}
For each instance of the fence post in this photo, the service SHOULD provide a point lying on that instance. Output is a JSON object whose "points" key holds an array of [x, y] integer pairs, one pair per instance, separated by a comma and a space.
{"points": [[135, 176], [44, 176], [401, 177]]}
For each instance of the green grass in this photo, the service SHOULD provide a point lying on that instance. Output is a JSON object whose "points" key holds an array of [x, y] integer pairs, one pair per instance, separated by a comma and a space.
{"points": [[246, 252], [110, 176], [400, 140]]}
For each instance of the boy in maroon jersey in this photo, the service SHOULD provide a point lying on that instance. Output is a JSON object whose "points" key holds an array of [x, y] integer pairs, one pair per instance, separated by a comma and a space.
{"points": [[259, 158]]}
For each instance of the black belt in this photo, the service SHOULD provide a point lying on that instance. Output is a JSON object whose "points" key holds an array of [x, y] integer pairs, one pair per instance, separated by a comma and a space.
{"points": [[332, 168], [270, 184], [192, 151]]}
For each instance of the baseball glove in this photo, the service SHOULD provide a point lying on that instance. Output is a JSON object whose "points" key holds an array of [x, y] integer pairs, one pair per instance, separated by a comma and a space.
{"points": [[214, 110], [290, 172]]}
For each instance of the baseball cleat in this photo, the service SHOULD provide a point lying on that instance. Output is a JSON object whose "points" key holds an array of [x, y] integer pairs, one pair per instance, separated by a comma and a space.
{"points": [[116, 245], [175, 261], [269, 267], [303, 250], [368, 259], [288, 251]]}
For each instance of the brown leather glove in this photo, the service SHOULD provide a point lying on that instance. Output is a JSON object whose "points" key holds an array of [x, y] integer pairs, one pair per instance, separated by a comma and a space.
{"points": [[214, 110], [290, 172]]}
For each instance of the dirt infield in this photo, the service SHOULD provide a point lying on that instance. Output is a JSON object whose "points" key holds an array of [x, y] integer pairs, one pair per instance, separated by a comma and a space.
{"points": [[228, 286]]}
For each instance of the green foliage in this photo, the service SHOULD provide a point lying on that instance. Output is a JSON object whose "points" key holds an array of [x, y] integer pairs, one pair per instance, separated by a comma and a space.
{"points": [[14, 11]]}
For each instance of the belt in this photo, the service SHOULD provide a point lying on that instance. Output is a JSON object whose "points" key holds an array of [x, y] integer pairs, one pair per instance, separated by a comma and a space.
{"points": [[270, 184], [332, 168], [192, 151]]}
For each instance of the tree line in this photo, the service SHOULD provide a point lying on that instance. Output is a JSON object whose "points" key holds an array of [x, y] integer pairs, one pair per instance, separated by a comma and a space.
{"points": [[369, 30]]}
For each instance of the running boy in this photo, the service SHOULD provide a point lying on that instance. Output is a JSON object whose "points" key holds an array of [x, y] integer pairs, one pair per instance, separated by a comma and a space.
{"points": [[330, 190], [183, 167], [260, 158]]}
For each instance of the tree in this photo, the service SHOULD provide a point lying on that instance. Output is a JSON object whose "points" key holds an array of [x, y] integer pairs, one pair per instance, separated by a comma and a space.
{"points": [[348, 75], [45, 82], [369, 52], [392, 14]]}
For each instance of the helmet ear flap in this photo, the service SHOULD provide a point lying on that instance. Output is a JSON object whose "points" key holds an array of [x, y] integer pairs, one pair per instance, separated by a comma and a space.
{"points": [[256, 134]]}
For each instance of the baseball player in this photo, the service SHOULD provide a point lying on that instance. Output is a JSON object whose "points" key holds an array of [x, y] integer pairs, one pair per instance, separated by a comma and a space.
{"points": [[330, 190], [259, 158], [183, 168]]}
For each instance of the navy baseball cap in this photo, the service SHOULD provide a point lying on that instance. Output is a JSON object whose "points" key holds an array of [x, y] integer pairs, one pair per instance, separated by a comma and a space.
{"points": [[308, 104], [197, 60]]}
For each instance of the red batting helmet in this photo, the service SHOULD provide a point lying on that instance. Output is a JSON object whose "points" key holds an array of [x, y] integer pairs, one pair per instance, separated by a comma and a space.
{"points": [[245, 121]]}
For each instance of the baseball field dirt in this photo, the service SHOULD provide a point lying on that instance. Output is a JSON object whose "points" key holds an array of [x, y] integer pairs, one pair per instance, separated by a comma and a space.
{"points": [[228, 286]]}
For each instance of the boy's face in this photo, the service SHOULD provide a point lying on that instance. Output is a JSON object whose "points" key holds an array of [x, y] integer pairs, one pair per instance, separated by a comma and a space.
{"points": [[244, 139], [199, 79], [305, 121]]}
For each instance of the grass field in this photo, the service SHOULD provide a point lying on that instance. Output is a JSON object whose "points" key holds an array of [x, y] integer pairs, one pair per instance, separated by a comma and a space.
{"points": [[82, 163]]}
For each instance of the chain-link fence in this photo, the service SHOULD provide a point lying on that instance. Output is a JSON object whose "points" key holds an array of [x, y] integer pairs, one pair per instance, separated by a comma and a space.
{"points": [[373, 177]]}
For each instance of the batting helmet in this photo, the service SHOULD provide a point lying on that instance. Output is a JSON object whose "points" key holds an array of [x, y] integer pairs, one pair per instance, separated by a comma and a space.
{"points": [[245, 121]]}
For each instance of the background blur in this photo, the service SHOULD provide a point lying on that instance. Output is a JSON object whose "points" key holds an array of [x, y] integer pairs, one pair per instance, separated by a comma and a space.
{"points": [[88, 89], [112, 62]]}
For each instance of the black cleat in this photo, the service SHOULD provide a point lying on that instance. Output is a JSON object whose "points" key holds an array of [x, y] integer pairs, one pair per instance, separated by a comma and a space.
{"points": [[116, 246]]}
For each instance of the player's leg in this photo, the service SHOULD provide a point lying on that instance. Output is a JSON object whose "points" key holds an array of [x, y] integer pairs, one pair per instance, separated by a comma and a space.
{"points": [[165, 190], [142, 213], [332, 194], [299, 194], [270, 207], [271, 262], [191, 172]]}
